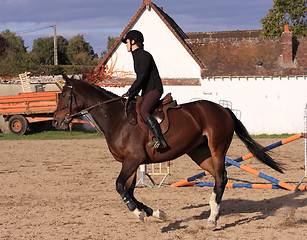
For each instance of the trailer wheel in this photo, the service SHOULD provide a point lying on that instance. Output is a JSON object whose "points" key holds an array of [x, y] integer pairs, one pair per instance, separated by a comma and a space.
{"points": [[18, 125]]}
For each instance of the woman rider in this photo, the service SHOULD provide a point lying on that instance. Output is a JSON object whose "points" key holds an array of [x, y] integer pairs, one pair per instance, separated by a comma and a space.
{"points": [[148, 80]]}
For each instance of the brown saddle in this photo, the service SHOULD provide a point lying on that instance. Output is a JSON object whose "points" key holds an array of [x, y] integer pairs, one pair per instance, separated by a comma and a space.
{"points": [[160, 114]]}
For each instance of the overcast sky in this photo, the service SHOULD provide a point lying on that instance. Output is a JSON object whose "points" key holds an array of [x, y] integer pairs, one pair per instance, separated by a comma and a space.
{"points": [[98, 19]]}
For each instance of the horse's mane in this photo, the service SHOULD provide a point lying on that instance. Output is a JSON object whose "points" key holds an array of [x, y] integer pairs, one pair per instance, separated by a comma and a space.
{"points": [[99, 89]]}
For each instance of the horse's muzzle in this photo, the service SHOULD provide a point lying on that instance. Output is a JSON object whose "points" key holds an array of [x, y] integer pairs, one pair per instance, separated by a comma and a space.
{"points": [[60, 123]]}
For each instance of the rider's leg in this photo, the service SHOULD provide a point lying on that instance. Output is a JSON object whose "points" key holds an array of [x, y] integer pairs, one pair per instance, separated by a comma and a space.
{"points": [[156, 130], [150, 101]]}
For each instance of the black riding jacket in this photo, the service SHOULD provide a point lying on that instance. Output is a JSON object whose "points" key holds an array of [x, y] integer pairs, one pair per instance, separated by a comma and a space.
{"points": [[147, 75]]}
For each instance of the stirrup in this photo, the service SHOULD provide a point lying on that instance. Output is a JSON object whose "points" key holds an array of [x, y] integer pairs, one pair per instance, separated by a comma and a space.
{"points": [[154, 144], [157, 144]]}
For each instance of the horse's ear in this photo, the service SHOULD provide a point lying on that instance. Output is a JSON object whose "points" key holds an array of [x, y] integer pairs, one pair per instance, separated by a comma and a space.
{"points": [[67, 79]]}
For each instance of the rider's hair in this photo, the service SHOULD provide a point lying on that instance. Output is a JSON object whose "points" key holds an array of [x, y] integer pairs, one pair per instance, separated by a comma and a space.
{"points": [[140, 45]]}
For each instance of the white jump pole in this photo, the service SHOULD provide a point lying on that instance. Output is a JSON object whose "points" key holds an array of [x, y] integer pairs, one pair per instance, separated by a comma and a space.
{"points": [[305, 137]]}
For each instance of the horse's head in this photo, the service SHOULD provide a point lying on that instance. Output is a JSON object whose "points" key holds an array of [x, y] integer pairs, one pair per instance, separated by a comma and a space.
{"points": [[68, 105]]}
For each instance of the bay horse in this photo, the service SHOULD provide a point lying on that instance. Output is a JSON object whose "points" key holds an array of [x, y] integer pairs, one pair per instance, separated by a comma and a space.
{"points": [[203, 130]]}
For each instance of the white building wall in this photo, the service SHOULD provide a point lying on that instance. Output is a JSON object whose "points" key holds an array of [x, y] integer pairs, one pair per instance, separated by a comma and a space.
{"points": [[269, 105], [172, 59], [182, 94]]}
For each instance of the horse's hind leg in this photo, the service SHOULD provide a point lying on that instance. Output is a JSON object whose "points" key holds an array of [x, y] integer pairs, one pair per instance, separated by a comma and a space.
{"points": [[216, 197], [215, 165], [218, 153]]}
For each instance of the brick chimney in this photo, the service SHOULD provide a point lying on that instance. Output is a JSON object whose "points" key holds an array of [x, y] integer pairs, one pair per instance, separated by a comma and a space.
{"points": [[146, 2], [286, 44]]}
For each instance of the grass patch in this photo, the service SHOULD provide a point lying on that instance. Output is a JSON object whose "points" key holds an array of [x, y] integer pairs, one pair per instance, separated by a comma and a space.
{"points": [[284, 135], [75, 134], [273, 135], [51, 135]]}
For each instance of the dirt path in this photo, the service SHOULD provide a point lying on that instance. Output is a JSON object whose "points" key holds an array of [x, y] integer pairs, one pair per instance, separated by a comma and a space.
{"points": [[65, 189]]}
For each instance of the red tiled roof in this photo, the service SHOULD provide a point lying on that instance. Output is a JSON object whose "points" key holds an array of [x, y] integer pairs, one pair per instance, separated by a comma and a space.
{"points": [[237, 53], [225, 34]]}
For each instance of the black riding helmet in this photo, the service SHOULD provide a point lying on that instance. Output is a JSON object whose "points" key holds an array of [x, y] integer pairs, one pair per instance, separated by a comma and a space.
{"points": [[135, 35]]}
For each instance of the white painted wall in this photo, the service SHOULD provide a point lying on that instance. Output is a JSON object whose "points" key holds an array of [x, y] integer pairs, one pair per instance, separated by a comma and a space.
{"points": [[182, 94], [270, 105], [172, 59], [267, 105]]}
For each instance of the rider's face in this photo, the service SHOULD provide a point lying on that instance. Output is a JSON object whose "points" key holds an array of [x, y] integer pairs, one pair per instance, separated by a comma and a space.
{"points": [[128, 44]]}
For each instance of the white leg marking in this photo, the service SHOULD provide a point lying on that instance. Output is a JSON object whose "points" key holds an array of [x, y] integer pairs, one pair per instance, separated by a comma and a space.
{"points": [[215, 209], [140, 214], [159, 214]]}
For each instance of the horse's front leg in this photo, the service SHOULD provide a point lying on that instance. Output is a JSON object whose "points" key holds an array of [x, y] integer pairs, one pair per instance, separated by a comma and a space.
{"points": [[130, 184], [127, 173], [125, 185]]}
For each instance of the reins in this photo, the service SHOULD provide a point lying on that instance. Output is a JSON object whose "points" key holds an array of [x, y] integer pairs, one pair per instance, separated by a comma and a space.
{"points": [[84, 111]]}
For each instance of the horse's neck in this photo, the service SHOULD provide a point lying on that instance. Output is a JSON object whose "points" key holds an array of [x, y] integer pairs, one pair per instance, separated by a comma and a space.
{"points": [[93, 96], [107, 115]]}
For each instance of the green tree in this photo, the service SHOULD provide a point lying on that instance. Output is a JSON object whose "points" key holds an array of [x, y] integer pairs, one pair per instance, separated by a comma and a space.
{"points": [[111, 41], [15, 59], [62, 50], [43, 50], [16, 42], [285, 12], [4, 44], [85, 59], [77, 49]]}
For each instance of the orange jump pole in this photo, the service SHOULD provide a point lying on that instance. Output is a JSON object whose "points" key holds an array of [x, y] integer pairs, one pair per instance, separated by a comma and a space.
{"points": [[239, 185], [264, 176], [189, 181]]}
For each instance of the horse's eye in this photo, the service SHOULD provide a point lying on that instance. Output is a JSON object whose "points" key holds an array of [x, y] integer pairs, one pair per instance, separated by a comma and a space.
{"points": [[63, 95]]}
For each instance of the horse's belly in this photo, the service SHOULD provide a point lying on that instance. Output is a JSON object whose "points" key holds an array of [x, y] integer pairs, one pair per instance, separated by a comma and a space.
{"points": [[184, 135]]}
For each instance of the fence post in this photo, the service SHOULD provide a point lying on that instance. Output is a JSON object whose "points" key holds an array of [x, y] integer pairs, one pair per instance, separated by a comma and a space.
{"points": [[305, 137], [143, 174]]}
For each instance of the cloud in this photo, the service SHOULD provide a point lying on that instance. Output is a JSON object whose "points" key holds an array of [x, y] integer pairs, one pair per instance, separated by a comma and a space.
{"points": [[98, 19]]}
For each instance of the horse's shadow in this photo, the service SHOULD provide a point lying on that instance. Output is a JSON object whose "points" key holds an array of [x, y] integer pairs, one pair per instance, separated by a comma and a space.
{"points": [[263, 208]]}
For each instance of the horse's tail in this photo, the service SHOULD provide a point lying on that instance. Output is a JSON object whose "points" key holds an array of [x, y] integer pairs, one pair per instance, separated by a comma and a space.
{"points": [[254, 147]]}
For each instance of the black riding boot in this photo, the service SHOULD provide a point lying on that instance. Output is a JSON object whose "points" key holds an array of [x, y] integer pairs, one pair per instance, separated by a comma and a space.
{"points": [[154, 127]]}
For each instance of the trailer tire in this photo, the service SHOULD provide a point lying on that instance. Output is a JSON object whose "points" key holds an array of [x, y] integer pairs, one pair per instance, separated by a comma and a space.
{"points": [[18, 125]]}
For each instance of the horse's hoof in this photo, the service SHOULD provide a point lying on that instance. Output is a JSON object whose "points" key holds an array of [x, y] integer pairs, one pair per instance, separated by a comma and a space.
{"points": [[159, 214], [140, 214], [211, 225]]}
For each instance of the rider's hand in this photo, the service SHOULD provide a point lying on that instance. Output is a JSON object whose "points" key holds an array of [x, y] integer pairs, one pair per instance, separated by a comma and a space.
{"points": [[127, 94]]}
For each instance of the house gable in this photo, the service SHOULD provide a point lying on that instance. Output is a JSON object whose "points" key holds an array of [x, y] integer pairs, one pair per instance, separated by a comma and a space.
{"points": [[164, 39]]}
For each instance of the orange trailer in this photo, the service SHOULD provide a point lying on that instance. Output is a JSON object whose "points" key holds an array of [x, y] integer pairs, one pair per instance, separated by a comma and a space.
{"points": [[25, 108]]}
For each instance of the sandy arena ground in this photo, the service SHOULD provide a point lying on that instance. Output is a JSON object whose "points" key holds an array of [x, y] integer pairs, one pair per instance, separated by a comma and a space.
{"points": [[65, 189]]}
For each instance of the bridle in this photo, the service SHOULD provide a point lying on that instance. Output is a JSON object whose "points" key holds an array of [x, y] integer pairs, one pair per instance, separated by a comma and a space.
{"points": [[69, 117]]}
